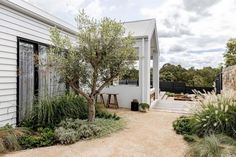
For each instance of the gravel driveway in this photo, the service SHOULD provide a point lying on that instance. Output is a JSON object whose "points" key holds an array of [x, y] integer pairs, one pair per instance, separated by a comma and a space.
{"points": [[146, 135]]}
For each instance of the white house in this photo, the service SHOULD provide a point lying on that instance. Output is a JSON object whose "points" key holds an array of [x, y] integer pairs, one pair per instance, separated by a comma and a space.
{"points": [[147, 46], [24, 33]]}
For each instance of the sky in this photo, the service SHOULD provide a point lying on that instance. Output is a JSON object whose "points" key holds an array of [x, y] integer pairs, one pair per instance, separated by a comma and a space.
{"points": [[192, 33]]}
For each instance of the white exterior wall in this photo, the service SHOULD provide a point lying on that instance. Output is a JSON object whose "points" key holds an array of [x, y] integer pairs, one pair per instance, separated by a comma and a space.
{"points": [[126, 93], [12, 25], [142, 92]]}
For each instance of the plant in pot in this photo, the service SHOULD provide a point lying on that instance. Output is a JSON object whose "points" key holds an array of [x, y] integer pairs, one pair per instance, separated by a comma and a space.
{"points": [[134, 105], [143, 107]]}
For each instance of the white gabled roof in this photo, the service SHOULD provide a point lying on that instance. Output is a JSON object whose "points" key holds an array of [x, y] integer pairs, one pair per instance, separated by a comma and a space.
{"points": [[141, 28], [37, 13]]}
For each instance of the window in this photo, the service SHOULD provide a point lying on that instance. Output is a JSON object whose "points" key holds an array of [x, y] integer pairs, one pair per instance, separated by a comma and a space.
{"points": [[35, 79]]}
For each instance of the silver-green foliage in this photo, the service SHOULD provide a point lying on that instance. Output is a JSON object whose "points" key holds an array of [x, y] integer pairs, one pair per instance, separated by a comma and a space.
{"points": [[102, 52], [72, 130], [213, 146], [66, 136]]}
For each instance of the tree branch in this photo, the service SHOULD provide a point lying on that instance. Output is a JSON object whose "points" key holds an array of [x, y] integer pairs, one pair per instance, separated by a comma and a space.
{"points": [[77, 90], [105, 83]]}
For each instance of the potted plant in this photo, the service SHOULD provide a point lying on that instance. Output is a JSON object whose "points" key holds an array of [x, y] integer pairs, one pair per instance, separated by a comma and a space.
{"points": [[134, 105], [143, 107]]}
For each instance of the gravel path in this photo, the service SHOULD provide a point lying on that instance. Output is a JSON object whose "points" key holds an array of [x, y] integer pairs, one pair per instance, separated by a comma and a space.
{"points": [[146, 135]]}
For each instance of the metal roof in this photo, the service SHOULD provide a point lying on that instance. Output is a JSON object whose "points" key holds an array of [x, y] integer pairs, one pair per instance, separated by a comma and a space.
{"points": [[39, 14], [140, 28]]}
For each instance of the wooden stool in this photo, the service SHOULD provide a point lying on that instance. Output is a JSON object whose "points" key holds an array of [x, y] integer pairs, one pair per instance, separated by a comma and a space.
{"points": [[115, 100], [102, 101]]}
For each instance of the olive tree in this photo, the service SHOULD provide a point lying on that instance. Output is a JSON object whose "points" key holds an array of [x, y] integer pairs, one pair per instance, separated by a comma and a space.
{"points": [[101, 53]]}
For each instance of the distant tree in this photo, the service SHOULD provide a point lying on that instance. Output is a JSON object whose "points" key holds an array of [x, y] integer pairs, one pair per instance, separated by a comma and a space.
{"points": [[192, 77], [172, 72], [167, 76], [130, 74], [101, 54], [230, 55]]}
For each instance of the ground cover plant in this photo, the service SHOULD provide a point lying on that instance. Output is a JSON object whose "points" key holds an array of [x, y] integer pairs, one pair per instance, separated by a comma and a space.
{"points": [[72, 130], [213, 146], [183, 125], [39, 138]]}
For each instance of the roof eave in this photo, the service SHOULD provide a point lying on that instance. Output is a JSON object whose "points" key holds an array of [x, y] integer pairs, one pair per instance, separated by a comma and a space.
{"points": [[39, 14]]}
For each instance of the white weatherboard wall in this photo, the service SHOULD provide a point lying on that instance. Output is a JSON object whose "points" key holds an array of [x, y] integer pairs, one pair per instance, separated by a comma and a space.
{"points": [[15, 23], [126, 93]]}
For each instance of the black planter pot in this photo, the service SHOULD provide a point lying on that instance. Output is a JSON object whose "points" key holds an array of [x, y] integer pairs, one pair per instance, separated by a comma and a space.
{"points": [[134, 106]]}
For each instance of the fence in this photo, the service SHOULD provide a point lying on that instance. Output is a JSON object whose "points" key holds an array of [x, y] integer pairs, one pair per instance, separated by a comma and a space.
{"points": [[175, 87], [132, 82], [180, 87]]}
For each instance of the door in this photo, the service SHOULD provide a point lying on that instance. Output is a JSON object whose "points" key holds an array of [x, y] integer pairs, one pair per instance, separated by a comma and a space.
{"points": [[35, 79], [26, 79]]}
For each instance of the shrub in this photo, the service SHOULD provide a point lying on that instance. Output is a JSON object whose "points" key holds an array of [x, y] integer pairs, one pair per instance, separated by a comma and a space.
{"points": [[143, 107], [216, 115], [66, 136], [88, 130], [70, 131], [75, 130], [52, 110], [43, 137], [183, 125], [101, 112], [213, 146], [8, 138]]}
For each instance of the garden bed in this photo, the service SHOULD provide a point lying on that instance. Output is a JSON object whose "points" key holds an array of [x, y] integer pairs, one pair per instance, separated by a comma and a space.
{"points": [[58, 120], [211, 127]]}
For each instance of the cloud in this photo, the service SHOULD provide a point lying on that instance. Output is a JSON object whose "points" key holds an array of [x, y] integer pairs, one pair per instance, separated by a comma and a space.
{"points": [[199, 6], [191, 32], [177, 48], [68, 9], [194, 32], [94, 9], [171, 18], [207, 50]]}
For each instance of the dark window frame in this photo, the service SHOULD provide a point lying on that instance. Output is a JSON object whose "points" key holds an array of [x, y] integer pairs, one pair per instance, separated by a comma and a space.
{"points": [[36, 81]]}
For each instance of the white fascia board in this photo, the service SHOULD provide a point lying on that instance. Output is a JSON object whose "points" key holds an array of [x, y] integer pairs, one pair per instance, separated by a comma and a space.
{"points": [[36, 13]]}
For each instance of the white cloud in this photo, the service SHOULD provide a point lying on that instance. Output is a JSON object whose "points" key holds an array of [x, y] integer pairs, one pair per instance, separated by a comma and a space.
{"points": [[94, 9], [185, 26]]}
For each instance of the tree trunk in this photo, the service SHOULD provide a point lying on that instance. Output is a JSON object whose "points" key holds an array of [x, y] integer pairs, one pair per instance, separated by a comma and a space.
{"points": [[91, 108]]}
